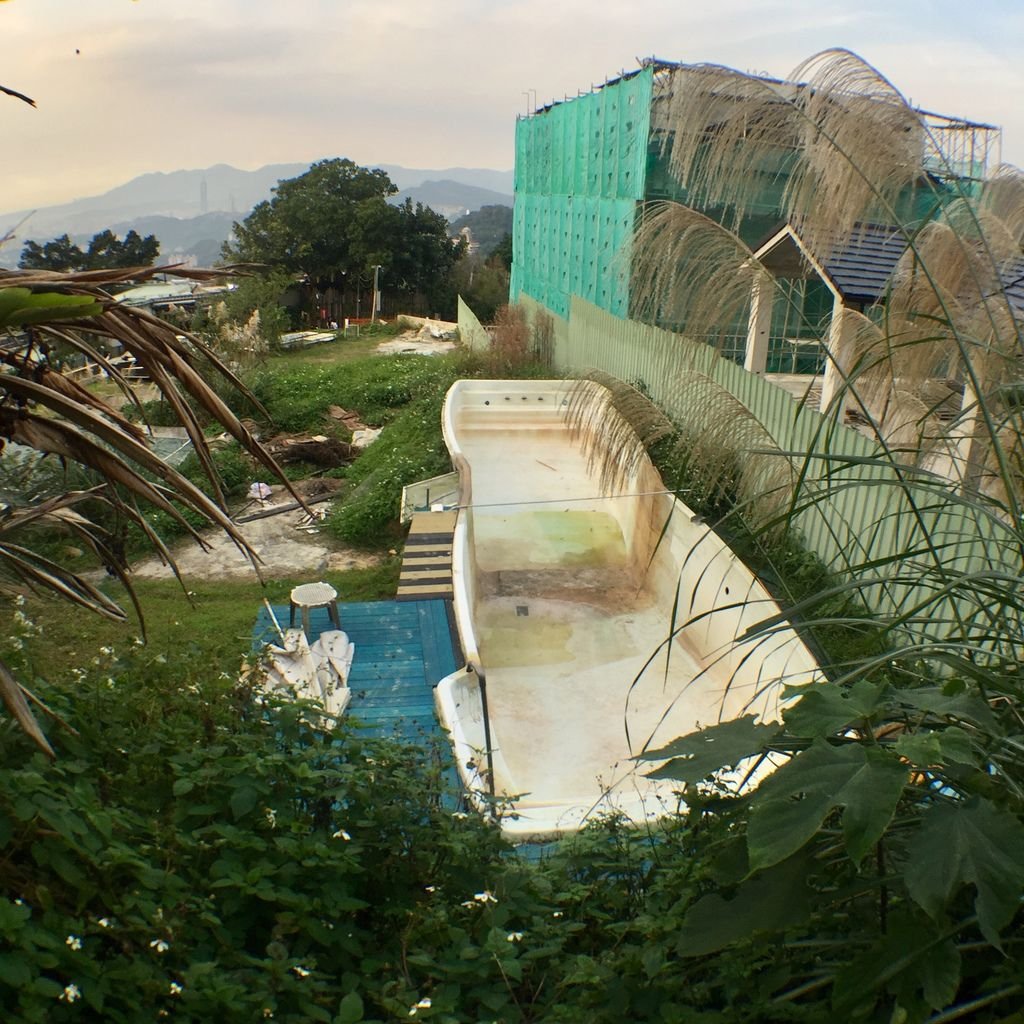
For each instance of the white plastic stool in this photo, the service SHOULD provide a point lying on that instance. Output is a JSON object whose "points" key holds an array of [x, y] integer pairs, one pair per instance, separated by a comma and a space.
{"points": [[314, 595]]}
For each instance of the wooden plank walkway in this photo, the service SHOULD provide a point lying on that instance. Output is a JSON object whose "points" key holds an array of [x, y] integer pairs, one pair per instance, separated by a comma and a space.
{"points": [[403, 650], [427, 557]]}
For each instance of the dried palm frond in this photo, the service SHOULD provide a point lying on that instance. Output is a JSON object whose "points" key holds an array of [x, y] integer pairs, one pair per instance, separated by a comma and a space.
{"points": [[17, 95], [616, 426], [52, 414]]}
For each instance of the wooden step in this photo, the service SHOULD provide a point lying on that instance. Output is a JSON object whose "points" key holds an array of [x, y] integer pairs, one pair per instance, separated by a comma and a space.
{"points": [[422, 593], [427, 557]]}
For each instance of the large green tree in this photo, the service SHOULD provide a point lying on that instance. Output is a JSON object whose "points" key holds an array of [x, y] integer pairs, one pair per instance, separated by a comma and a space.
{"points": [[333, 223], [105, 252]]}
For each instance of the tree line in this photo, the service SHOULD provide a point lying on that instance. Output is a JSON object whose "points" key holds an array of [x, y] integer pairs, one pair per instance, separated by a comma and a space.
{"points": [[327, 230], [105, 251]]}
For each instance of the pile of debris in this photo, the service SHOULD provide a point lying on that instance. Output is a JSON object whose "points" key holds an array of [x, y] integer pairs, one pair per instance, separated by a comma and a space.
{"points": [[317, 671], [362, 435], [318, 449], [434, 337], [322, 450]]}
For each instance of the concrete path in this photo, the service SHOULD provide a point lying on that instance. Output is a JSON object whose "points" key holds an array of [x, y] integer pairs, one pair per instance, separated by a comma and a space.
{"points": [[284, 550]]}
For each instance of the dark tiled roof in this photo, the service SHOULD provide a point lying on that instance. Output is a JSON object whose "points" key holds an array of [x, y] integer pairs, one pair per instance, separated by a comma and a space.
{"points": [[861, 269], [1013, 285]]}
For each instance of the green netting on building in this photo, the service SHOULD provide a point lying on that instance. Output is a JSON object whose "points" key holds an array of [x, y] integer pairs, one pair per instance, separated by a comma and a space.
{"points": [[580, 171]]}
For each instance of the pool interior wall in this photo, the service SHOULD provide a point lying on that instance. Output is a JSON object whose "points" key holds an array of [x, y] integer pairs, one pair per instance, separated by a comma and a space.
{"points": [[564, 599]]}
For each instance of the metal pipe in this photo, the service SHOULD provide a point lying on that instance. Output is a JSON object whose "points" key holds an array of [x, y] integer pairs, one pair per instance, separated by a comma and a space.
{"points": [[487, 732]]}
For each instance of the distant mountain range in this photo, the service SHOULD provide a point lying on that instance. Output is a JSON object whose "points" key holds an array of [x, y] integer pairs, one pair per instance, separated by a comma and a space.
{"points": [[192, 211]]}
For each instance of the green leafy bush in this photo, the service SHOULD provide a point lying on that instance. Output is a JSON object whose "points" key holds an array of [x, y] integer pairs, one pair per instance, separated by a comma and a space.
{"points": [[200, 853], [157, 413], [411, 448]]}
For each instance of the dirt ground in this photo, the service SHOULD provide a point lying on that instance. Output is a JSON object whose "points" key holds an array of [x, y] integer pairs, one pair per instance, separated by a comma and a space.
{"points": [[287, 544]]}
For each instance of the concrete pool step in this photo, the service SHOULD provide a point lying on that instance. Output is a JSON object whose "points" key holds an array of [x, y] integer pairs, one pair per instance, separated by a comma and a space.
{"points": [[427, 557]]}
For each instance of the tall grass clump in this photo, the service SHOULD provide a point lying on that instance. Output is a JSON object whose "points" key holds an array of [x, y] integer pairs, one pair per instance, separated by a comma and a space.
{"points": [[885, 836]]}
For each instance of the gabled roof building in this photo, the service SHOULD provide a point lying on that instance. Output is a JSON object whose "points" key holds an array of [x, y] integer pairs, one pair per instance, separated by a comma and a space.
{"points": [[586, 167]]}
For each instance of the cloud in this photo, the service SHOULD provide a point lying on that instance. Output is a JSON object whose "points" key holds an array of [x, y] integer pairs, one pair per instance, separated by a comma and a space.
{"points": [[250, 82]]}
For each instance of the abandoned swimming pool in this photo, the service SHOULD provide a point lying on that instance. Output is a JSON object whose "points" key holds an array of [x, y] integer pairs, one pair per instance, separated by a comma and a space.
{"points": [[564, 601]]}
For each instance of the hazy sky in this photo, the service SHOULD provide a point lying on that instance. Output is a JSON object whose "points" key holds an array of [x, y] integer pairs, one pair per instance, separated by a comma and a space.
{"points": [[126, 87]]}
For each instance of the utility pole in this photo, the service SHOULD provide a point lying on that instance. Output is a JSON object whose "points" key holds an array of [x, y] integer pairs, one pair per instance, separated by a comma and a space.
{"points": [[376, 293]]}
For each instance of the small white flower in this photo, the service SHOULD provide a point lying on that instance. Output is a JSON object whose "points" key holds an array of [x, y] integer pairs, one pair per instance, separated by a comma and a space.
{"points": [[468, 903], [484, 897], [300, 972], [267, 1012], [16, 643], [176, 989], [139, 642], [70, 994], [271, 816], [74, 942], [104, 922], [341, 834], [108, 651], [19, 902], [20, 600], [159, 945], [430, 888], [556, 913], [460, 815], [514, 937]]}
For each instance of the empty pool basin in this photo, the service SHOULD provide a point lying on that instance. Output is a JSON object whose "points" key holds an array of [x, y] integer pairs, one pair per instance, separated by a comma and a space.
{"points": [[565, 599]]}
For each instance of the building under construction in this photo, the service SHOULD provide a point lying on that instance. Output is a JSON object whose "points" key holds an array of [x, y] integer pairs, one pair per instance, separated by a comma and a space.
{"points": [[585, 168]]}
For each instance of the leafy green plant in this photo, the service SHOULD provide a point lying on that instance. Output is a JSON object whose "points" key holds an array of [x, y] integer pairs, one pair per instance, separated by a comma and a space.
{"points": [[175, 860]]}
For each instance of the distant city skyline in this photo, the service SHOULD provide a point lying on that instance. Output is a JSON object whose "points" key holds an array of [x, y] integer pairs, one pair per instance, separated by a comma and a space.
{"points": [[123, 88]]}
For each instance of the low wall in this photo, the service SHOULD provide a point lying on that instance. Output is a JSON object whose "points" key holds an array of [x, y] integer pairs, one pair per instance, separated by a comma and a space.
{"points": [[472, 333], [425, 321]]}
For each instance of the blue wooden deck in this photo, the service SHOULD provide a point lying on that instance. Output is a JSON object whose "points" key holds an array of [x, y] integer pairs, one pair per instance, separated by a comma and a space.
{"points": [[403, 650]]}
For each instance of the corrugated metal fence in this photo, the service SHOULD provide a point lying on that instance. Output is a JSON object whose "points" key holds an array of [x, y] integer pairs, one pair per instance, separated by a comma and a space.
{"points": [[854, 507]]}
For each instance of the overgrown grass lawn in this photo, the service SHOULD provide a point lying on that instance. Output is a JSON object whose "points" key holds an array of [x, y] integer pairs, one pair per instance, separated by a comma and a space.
{"points": [[213, 617]]}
